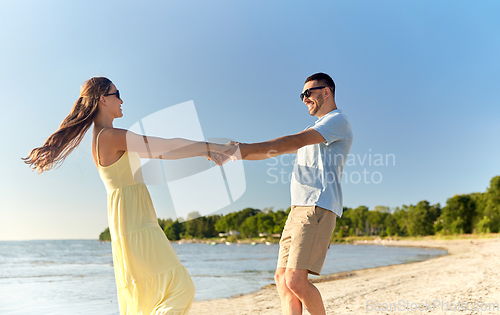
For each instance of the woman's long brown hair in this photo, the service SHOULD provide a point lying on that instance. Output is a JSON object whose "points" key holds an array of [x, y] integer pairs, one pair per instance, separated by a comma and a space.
{"points": [[72, 130]]}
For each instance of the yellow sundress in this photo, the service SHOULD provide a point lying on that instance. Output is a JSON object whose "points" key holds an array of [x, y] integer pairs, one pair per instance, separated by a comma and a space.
{"points": [[149, 276]]}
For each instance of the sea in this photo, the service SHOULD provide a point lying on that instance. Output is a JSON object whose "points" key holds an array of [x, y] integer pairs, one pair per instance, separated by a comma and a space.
{"points": [[77, 276]]}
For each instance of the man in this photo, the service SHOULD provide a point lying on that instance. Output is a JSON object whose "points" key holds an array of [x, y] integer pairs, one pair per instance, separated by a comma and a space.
{"points": [[322, 150]]}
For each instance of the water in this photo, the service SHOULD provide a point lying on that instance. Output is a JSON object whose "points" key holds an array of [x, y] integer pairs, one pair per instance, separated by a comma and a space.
{"points": [[77, 276]]}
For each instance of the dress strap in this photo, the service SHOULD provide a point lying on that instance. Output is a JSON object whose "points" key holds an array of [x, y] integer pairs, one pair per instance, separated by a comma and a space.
{"points": [[97, 146]]}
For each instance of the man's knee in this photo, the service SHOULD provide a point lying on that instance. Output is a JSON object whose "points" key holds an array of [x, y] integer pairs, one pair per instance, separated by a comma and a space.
{"points": [[279, 277], [296, 280]]}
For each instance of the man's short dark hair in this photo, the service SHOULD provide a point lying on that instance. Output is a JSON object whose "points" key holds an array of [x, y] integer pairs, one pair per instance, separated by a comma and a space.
{"points": [[323, 79]]}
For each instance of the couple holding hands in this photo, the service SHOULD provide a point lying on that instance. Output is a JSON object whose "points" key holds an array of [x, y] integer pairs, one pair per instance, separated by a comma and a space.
{"points": [[149, 276]]}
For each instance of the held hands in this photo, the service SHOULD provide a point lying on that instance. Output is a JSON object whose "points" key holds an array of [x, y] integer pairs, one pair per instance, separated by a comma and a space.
{"points": [[219, 158], [221, 154]]}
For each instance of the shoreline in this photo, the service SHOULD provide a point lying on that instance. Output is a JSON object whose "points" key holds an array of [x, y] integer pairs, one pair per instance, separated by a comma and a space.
{"points": [[467, 274]]}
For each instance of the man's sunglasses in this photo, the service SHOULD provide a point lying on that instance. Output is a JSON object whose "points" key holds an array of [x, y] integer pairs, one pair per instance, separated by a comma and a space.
{"points": [[307, 92], [117, 94]]}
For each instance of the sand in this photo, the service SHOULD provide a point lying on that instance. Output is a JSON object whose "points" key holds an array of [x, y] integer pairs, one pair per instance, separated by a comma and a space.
{"points": [[466, 281]]}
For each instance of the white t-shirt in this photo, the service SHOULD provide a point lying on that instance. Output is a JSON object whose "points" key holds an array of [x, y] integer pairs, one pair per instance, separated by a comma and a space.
{"points": [[317, 172]]}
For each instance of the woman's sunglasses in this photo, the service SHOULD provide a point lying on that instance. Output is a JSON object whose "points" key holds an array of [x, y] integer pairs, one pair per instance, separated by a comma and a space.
{"points": [[117, 94], [307, 92]]}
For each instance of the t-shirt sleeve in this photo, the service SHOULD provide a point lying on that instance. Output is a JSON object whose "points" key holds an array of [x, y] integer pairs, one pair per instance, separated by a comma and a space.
{"points": [[333, 128]]}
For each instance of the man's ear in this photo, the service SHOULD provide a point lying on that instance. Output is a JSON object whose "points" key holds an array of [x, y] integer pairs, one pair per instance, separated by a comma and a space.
{"points": [[327, 92]]}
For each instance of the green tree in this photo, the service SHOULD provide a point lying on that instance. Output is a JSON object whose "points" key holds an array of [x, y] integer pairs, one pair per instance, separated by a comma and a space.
{"points": [[242, 215], [391, 226], [458, 214], [164, 223], [193, 215], [401, 217], [265, 223], [376, 221], [233, 220], [209, 226], [173, 231], [105, 236], [343, 224], [383, 209], [491, 208], [358, 220], [421, 218], [201, 227], [225, 223], [190, 228], [250, 227], [279, 218], [483, 225]]}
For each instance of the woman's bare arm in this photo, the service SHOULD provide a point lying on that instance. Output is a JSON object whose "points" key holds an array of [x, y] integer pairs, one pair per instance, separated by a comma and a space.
{"points": [[155, 147]]}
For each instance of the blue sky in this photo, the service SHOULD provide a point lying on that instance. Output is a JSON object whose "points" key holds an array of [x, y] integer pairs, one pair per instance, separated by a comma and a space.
{"points": [[419, 80]]}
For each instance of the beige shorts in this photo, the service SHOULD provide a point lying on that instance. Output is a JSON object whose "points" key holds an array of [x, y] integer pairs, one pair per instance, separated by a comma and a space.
{"points": [[306, 238]]}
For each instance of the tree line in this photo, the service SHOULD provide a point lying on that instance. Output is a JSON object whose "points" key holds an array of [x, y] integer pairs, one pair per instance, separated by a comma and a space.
{"points": [[467, 213]]}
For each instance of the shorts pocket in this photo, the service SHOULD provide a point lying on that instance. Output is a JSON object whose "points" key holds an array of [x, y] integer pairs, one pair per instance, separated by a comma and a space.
{"points": [[309, 216]]}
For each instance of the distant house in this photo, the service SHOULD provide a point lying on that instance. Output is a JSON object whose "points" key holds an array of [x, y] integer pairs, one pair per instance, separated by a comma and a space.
{"points": [[229, 233]]}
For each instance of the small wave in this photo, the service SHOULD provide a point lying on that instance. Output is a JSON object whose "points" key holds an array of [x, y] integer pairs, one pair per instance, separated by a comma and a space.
{"points": [[42, 262], [37, 276], [239, 259], [234, 275], [258, 271]]}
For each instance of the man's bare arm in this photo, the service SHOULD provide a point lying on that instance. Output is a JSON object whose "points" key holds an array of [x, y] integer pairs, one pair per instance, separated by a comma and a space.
{"points": [[279, 146]]}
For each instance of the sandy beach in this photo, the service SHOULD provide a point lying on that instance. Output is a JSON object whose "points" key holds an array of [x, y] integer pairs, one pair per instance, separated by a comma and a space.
{"points": [[467, 281]]}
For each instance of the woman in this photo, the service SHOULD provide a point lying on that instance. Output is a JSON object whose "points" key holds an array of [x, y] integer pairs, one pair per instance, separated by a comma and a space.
{"points": [[149, 276]]}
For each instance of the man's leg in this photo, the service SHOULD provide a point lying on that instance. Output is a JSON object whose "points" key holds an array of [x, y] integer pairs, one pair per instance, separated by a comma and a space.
{"points": [[309, 296], [290, 303], [303, 248]]}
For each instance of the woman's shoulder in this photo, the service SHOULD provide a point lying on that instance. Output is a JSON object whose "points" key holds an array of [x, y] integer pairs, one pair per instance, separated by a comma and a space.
{"points": [[109, 133], [116, 139]]}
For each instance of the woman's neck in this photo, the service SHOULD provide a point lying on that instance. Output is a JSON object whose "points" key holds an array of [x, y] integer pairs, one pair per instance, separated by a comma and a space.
{"points": [[103, 122]]}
